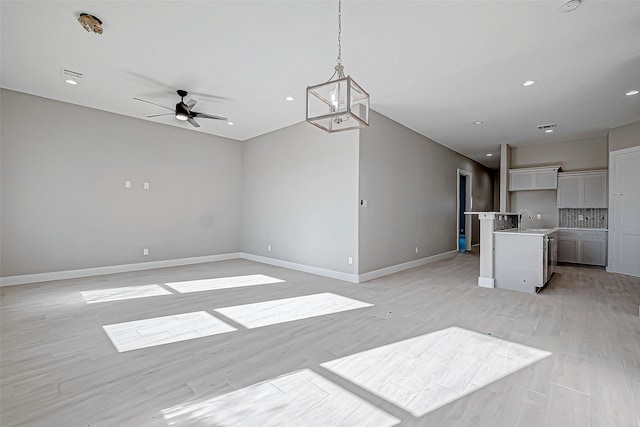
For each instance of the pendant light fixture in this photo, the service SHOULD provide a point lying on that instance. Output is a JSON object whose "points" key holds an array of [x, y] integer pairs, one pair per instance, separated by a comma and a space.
{"points": [[340, 103]]}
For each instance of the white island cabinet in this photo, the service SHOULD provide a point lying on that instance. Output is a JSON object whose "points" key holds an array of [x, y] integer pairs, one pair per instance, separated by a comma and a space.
{"points": [[524, 259]]}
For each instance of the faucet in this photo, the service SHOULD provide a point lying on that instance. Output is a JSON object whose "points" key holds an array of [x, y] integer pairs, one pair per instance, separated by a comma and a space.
{"points": [[520, 217]]}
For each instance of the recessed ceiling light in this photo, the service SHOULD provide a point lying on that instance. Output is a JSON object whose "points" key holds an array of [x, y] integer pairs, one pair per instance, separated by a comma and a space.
{"points": [[479, 122], [289, 98], [548, 131], [528, 83], [71, 82], [230, 123], [489, 155], [632, 92]]}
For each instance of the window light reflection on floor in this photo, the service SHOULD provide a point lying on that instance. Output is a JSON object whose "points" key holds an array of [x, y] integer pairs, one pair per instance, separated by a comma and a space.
{"points": [[427, 372], [301, 398], [289, 309], [155, 331], [222, 283], [128, 292]]}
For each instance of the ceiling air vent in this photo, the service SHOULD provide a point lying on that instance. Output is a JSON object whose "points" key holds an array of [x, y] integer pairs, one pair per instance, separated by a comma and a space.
{"points": [[68, 74]]}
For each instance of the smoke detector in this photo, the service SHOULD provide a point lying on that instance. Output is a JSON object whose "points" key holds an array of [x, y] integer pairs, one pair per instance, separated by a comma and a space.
{"points": [[570, 6]]}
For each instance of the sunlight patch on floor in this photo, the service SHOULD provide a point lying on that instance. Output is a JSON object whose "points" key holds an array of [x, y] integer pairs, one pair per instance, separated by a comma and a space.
{"points": [[301, 398], [424, 373], [222, 283], [144, 333], [128, 292], [289, 309]]}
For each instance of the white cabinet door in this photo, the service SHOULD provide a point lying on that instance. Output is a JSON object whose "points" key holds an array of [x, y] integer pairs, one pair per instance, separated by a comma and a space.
{"points": [[595, 191], [625, 212], [568, 250], [582, 190], [593, 252], [520, 181], [545, 180], [569, 191]]}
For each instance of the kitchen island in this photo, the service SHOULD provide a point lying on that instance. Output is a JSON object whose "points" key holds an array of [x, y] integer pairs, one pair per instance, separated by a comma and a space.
{"points": [[524, 260]]}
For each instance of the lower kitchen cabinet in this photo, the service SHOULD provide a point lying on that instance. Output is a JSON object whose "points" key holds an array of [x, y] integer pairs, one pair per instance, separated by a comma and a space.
{"points": [[582, 247]]}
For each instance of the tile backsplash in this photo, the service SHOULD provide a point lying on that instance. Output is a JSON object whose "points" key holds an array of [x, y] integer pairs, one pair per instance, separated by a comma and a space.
{"points": [[592, 218]]}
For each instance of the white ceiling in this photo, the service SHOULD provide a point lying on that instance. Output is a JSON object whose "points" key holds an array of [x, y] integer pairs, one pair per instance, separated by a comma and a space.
{"points": [[434, 66]]}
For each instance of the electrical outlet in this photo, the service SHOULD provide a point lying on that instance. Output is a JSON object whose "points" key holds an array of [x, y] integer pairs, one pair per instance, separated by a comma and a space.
{"points": [[580, 217], [363, 203], [127, 184], [145, 185], [350, 260], [145, 251], [269, 248]]}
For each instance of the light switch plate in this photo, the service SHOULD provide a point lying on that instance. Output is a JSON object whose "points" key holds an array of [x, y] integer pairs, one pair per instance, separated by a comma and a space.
{"points": [[145, 185], [127, 184]]}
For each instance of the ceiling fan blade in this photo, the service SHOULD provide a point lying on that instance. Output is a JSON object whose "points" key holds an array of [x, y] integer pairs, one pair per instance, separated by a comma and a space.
{"points": [[153, 103], [193, 122], [158, 115], [191, 103], [207, 116]]}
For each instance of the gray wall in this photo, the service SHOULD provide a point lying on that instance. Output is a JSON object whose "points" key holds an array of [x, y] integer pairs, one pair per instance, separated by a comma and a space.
{"points": [[624, 136], [576, 155], [64, 205], [409, 182], [301, 197]]}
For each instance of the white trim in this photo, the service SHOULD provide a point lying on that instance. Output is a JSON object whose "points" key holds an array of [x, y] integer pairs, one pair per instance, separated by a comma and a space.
{"points": [[124, 268], [404, 266], [486, 282], [347, 277], [98, 271]]}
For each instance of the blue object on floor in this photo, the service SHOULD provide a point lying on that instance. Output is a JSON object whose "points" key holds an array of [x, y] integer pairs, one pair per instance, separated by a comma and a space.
{"points": [[462, 243]]}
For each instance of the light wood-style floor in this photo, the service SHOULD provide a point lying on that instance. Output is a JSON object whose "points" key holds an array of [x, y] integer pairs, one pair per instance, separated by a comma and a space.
{"points": [[59, 367]]}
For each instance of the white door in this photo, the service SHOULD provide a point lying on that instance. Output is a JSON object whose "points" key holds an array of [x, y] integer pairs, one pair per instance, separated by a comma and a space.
{"points": [[624, 211]]}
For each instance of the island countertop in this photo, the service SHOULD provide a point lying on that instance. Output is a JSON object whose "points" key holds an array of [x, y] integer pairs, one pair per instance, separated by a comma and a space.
{"points": [[528, 232]]}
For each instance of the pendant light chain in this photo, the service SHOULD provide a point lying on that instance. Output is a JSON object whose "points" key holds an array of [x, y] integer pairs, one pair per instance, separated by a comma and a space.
{"points": [[340, 32]]}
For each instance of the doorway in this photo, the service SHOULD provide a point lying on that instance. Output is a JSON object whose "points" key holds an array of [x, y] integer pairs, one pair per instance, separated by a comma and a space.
{"points": [[464, 204]]}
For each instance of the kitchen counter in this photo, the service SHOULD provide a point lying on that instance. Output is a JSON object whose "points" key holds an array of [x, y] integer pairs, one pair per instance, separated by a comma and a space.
{"points": [[528, 232], [585, 229]]}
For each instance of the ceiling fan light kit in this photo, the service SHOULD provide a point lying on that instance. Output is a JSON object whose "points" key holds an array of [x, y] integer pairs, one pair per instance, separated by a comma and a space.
{"points": [[184, 110], [339, 104]]}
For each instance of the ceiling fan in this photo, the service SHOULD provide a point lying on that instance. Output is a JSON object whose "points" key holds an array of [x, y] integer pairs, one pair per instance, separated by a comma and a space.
{"points": [[183, 110]]}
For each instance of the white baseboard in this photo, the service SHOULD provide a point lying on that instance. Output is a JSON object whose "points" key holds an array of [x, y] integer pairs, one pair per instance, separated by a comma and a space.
{"points": [[486, 282], [98, 271], [347, 277], [404, 266]]}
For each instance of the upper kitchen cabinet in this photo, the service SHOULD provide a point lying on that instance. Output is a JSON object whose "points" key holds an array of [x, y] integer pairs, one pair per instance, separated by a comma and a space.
{"points": [[582, 189], [542, 178]]}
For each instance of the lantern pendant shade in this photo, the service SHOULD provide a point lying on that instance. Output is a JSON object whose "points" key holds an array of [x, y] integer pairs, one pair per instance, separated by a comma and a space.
{"points": [[338, 105]]}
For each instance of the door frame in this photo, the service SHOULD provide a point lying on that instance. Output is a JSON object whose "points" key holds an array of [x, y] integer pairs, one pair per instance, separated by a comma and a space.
{"points": [[612, 264], [469, 207]]}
